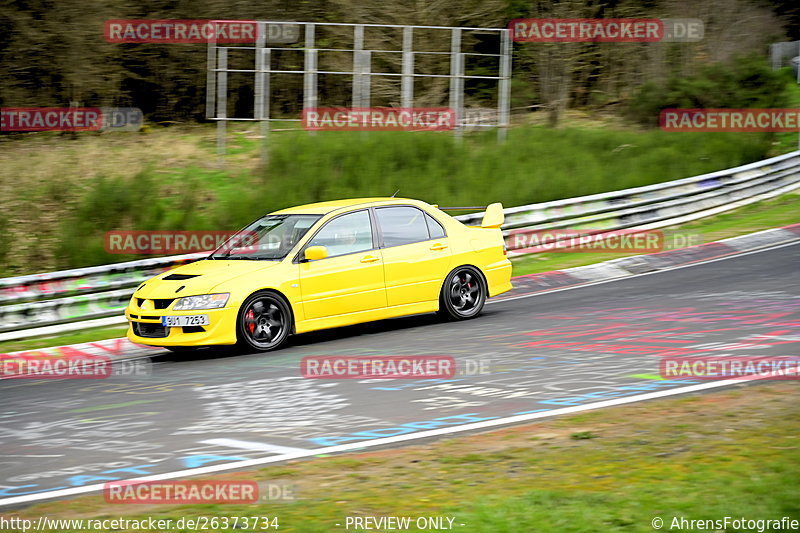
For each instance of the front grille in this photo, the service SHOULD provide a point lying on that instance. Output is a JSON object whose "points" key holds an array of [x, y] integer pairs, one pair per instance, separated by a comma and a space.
{"points": [[193, 329], [153, 331], [158, 303], [148, 317], [162, 303]]}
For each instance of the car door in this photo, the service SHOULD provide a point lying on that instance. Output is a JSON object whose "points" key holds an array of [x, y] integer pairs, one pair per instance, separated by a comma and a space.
{"points": [[350, 279], [416, 254]]}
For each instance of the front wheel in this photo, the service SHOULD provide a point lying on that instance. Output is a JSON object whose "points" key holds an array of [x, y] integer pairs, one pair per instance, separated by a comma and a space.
{"points": [[463, 294], [264, 322]]}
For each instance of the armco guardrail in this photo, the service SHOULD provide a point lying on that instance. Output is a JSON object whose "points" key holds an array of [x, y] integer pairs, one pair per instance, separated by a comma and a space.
{"points": [[71, 297], [76, 295], [659, 203]]}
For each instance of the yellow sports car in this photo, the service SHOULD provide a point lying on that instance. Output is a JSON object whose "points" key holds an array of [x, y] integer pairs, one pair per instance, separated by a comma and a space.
{"points": [[324, 265]]}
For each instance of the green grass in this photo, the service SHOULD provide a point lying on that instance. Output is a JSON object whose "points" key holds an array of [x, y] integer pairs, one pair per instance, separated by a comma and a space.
{"points": [[777, 212], [78, 190], [729, 453]]}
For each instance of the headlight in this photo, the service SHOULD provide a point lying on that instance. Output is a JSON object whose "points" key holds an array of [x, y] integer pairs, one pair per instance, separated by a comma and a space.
{"points": [[204, 301]]}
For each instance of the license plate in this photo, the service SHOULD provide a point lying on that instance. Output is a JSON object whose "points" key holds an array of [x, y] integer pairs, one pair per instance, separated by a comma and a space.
{"points": [[187, 320]]}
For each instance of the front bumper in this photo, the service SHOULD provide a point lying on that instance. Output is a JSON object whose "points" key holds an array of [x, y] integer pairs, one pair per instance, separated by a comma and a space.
{"points": [[144, 327]]}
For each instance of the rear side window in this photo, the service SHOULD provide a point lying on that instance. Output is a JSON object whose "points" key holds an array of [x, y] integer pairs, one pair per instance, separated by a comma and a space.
{"points": [[402, 225], [434, 228]]}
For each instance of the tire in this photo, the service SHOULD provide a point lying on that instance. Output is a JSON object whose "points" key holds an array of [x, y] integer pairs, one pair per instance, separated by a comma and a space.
{"points": [[264, 322], [463, 294]]}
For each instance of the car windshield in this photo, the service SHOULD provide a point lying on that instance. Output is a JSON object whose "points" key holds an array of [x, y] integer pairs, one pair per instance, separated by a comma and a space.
{"points": [[269, 238]]}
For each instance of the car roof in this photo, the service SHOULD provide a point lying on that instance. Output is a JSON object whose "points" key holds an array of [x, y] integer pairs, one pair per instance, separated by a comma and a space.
{"points": [[322, 208]]}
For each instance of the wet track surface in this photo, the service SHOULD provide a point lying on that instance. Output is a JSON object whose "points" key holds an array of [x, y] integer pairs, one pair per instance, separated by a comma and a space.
{"points": [[538, 353]]}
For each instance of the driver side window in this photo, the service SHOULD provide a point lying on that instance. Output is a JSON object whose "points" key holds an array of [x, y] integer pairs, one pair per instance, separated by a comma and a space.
{"points": [[345, 234]]}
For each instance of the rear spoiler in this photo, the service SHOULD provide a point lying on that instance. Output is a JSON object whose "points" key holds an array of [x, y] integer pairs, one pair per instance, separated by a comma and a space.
{"points": [[493, 217]]}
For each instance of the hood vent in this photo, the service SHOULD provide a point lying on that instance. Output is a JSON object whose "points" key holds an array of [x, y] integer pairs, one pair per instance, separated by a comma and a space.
{"points": [[179, 277]]}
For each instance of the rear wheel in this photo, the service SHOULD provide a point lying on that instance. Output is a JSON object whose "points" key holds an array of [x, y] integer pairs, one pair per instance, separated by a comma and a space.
{"points": [[264, 322], [463, 294]]}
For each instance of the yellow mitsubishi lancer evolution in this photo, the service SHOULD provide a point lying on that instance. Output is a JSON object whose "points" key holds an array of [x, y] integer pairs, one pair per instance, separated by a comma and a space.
{"points": [[324, 265]]}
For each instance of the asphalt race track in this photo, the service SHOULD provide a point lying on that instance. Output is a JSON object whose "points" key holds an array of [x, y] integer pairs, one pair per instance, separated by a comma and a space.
{"points": [[525, 354]]}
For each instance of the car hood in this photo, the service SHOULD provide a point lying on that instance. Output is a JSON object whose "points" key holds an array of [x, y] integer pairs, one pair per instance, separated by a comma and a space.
{"points": [[205, 276]]}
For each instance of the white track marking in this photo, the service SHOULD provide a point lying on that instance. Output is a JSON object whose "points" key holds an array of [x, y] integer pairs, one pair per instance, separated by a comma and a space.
{"points": [[4, 456], [250, 445]]}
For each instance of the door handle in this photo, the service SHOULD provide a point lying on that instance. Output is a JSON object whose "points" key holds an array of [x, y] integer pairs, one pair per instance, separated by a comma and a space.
{"points": [[438, 246], [369, 259]]}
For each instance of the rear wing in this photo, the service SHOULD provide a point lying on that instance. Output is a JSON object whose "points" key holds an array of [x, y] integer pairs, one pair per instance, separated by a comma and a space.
{"points": [[493, 217]]}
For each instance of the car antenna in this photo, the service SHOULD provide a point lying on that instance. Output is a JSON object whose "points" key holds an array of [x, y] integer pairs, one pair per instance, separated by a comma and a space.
{"points": [[395, 193]]}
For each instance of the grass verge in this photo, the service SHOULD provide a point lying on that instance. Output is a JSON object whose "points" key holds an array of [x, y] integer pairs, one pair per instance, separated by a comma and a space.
{"points": [[728, 453]]}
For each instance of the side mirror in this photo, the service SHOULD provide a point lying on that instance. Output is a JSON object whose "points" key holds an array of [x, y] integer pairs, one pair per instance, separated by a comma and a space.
{"points": [[494, 216], [315, 253]]}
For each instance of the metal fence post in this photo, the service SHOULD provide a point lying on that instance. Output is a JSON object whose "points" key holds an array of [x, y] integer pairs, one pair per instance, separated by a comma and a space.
{"points": [[259, 92], [358, 46], [504, 86], [222, 102], [310, 75], [456, 79], [211, 78], [266, 65], [407, 82]]}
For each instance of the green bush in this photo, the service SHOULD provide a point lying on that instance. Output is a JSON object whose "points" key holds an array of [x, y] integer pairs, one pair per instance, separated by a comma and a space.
{"points": [[747, 82]]}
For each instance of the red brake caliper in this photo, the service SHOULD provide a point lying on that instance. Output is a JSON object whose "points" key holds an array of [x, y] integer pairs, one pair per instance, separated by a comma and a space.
{"points": [[250, 320]]}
